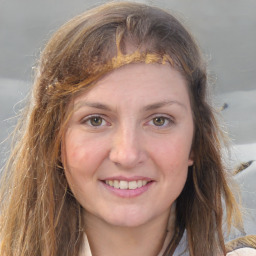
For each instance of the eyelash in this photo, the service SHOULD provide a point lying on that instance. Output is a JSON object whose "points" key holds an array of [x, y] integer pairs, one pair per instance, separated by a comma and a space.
{"points": [[88, 121], [169, 121]]}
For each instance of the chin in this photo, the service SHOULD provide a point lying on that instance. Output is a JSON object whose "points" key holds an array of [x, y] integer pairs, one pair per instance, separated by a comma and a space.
{"points": [[129, 223], [127, 219]]}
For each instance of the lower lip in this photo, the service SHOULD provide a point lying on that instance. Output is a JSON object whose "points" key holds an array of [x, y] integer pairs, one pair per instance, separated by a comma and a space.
{"points": [[127, 193]]}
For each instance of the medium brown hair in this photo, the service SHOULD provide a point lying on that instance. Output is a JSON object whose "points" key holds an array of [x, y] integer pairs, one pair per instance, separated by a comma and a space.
{"points": [[39, 214]]}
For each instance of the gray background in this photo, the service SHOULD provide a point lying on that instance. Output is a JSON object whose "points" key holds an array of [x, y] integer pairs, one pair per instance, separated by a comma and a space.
{"points": [[225, 30]]}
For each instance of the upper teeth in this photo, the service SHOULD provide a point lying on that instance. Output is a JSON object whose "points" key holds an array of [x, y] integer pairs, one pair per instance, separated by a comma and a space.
{"points": [[123, 184]]}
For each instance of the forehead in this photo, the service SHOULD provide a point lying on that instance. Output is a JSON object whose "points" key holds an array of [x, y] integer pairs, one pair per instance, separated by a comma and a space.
{"points": [[139, 82], [144, 75]]}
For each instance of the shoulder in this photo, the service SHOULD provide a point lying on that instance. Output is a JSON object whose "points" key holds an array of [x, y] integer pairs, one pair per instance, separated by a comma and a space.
{"points": [[243, 252]]}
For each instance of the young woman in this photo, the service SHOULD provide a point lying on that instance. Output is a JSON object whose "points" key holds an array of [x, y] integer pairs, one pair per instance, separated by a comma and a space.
{"points": [[118, 151]]}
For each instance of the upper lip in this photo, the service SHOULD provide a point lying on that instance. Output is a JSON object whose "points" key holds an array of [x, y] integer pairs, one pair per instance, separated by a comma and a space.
{"points": [[133, 178]]}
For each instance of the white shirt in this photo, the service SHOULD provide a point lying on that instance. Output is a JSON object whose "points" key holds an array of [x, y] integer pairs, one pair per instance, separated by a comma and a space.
{"points": [[85, 250], [181, 248]]}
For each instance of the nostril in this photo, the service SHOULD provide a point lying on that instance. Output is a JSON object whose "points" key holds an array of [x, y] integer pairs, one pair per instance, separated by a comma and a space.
{"points": [[126, 149], [126, 158]]}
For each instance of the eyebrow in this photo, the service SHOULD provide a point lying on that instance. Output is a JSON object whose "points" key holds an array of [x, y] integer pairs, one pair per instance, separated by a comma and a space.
{"points": [[163, 104], [149, 107], [92, 105]]}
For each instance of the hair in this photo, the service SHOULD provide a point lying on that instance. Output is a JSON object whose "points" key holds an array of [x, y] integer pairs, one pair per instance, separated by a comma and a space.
{"points": [[246, 241], [39, 214]]}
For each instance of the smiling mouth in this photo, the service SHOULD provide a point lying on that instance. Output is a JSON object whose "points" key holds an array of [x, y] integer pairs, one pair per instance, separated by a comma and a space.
{"points": [[123, 184]]}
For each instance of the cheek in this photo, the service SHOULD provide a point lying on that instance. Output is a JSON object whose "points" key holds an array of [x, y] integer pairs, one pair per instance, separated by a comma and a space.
{"points": [[76, 161], [175, 163], [79, 163], [82, 156], [174, 151], [80, 152]]}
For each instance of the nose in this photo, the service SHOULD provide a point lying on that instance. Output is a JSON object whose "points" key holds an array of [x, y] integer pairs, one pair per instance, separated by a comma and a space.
{"points": [[127, 150]]}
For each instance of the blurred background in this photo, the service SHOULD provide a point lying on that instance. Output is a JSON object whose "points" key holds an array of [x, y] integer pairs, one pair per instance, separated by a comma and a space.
{"points": [[225, 30]]}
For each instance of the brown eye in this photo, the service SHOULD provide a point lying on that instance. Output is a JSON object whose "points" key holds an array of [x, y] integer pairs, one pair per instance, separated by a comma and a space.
{"points": [[159, 121], [95, 121]]}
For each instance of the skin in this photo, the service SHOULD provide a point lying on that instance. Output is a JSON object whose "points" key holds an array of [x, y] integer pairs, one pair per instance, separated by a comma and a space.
{"points": [[143, 127]]}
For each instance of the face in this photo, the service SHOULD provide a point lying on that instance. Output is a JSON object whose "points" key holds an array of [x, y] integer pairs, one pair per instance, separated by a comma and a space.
{"points": [[127, 145]]}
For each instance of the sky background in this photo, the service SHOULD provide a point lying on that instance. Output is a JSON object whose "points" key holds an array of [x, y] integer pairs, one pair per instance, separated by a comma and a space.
{"points": [[224, 29]]}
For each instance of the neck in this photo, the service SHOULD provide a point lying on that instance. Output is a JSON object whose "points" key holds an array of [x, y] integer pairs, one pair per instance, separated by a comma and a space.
{"points": [[147, 239]]}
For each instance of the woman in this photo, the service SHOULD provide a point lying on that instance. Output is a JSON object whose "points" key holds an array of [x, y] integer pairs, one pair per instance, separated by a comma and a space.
{"points": [[118, 152]]}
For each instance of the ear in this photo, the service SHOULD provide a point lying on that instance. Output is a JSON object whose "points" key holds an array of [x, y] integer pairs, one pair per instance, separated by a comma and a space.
{"points": [[191, 159]]}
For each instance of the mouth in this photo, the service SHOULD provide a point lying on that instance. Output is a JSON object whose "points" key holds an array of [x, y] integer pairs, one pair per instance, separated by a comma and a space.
{"points": [[123, 184], [127, 187]]}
